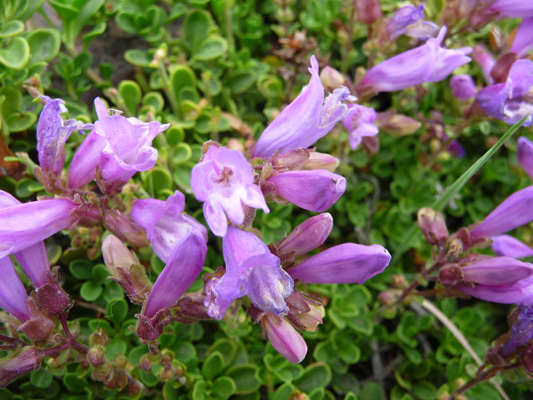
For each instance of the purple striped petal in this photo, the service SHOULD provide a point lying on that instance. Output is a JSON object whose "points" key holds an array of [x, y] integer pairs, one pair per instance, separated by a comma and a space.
{"points": [[13, 297], [520, 292], [345, 263], [523, 39], [505, 245]]}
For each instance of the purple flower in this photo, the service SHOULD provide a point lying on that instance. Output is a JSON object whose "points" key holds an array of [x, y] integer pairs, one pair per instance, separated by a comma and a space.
{"points": [[360, 123], [505, 245], [409, 20], [183, 267], [305, 120], [509, 101], [224, 181], [27, 360], [119, 146], [523, 39], [520, 292], [521, 331], [165, 224], [463, 87], [525, 155], [251, 270], [485, 60], [284, 338], [24, 225], [315, 190], [368, 11], [13, 297], [515, 211], [345, 263], [52, 134], [307, 236], [426, 63], [512, 8], [34, 258]]}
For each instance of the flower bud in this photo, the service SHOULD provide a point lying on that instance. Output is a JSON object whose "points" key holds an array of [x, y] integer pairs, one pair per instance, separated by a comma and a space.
{"points": [[331, 78], [321, 161], [99, 338], [104, 372], [25, 361], [96, 356], [307, 236], [505, 245], [51, 297], [396, 124], [525, 155], [291, 160], [463, 87], [432, 224], [451, 275], [125, 228], [368, 11], [284, 338]]}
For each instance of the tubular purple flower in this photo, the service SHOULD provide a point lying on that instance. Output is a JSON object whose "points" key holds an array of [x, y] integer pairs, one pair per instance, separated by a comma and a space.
{"points": [[505, 245], [34, 258], [13, 297], [485, 60], [525, 155], [284, 338], [52, 134], [409, 20], [307, 236], [521, 331], [315, 190], [426, 63], [509, 101], [360, 123], [345, 263], [251, 270], [515, 211], [512, 8], [27, 360], [321, 161], [224, 180], [165, 223], [306, 119], [523, 39], [497, 271], [463, 87], [520, 292], [123, 147], [183, 267], [26, 224]]}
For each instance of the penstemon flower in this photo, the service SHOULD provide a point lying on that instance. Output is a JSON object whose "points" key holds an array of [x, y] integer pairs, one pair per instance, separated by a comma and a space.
{"points": [[409, 20], [360, 123]]}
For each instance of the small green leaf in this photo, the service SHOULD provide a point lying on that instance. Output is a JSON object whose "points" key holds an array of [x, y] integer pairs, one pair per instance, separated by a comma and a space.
{"points": [[245, 378], [425, 390], [12, 28], [154, 99], [372, 391], [213, 365], [18, 122], [116, 346], [241, 81], [131, 94], [224, 387], [195, 28], [211, 48], [16, 55], [94, 33], [137, 57], [157, 180], [41, 378], [81, 269], [44, 45], [90, 291], [315, 375], [117, 311], [73, 383]]}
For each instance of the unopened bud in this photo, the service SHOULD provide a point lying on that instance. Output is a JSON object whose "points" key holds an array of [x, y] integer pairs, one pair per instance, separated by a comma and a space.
{"points": [[144, 363], [396, 124], [451, 275], [386, 298], [165, 374], [284, 338], [463, 87], [399, 281], [331, 78], [99, 338], [121, 361], [96, 356], [116, 254], [313, 318], [321, 161], [51, 297], [368, 11], [307, 236], [125, 228], [25, 361], [104, 372], [432, 224]]}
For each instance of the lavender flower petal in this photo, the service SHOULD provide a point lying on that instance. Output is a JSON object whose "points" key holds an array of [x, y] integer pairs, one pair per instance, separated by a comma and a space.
{"points": [[13, 297], [184, 265], [284, 338], [497, 271], [512, 8], [82, 169], [307, 236], [463, 87], [315, 190], [505, 245], [345, 263], [523, 39], [521, 331], [525, 155], [305, 120], [520, 292], [409, 20], [515, 211], [360, 123]]}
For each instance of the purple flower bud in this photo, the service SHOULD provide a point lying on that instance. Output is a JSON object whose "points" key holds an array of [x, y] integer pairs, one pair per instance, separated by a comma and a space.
{"points": [[512, 8], [496, 271], [307, 236], [26, 224], [345, 263], [515, 211], [119, 146], [321, 161], [331, 78], [284, 338], [52, 134], [251, 270], [509, 101], [34, 258], [13, 297], [520, 292], [165, 223], [305, 120], [485, 60], [433, 225], [25, 361], [396, 124], [505, 245], [426, 63], [525, 155], [315, 190], [409, 20], [368, 11], [523, 39], [224, 180], [521, 331], [463, 87], [125, 228], [360, 123], [185, 264]]}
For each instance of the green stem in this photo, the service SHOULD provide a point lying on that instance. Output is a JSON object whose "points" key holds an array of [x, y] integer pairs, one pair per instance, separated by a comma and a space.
{"points": [[168, 90]]}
